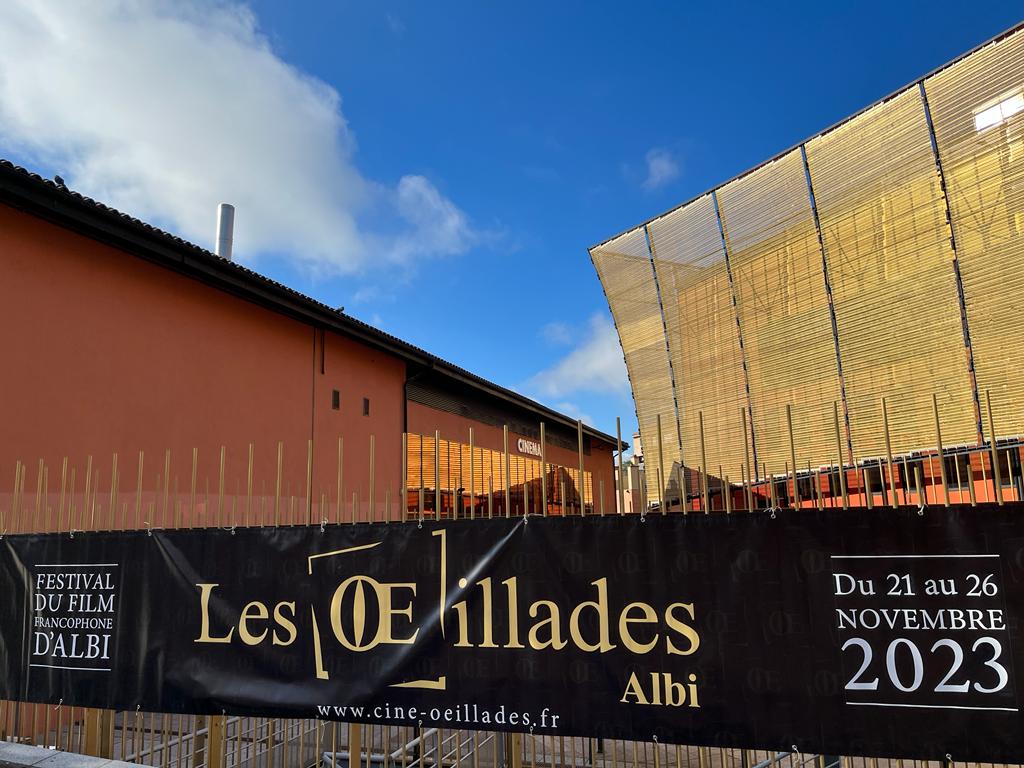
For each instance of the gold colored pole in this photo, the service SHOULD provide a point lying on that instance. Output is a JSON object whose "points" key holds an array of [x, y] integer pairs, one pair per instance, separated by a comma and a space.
{"points": [[681, 481], [39, 494], [309, 482], [88, 488], [748, 452], [703, 464], [970, 482], [728, 496], [839, 449], [600, 488], [490, 496], [938, 441], [167, 484], [340, 510], [220, 486], [277, 483], [63, 491], [526, 488], [661, 465], [888, 456], [622, 470], [792, 455], [868, 496], [437, 474], [373, 485], [582, 482], [138, 492], [248, 486], [472, 473], [543, 472], [508, 492], [996, 471], [404, 489], [422, 488], [192, 503]]}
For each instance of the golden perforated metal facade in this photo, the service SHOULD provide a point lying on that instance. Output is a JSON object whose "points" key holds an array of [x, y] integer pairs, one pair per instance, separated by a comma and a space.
{"points": [[883, 258]]}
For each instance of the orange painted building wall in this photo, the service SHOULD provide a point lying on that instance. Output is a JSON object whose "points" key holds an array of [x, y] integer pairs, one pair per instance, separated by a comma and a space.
{"points": [[424, 420], [104, 352]]}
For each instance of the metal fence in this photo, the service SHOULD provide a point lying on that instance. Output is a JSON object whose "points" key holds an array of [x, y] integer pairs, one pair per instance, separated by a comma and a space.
{"points": [[164, 494]]}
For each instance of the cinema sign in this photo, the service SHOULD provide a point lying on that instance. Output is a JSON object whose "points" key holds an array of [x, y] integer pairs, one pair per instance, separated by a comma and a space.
{"points": [[874, 632]]}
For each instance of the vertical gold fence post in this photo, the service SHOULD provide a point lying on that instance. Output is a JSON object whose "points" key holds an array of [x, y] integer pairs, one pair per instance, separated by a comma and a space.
{"points": [[355, 745], [621, 484], [942, 457], [582, 483], [507, 467], [373, 480], [703, 465], [888, 455], [543, 471], [277, 483], [437, 474], [215, 750], [839, 453], [792, 455], [997, 477], [404, 489], [472, 472]]}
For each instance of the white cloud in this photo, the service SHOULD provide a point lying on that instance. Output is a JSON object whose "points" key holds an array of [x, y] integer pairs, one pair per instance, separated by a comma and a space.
{"points": [[163, 109], [662, 168], [556, 333], [573, 411], [595, 365]]}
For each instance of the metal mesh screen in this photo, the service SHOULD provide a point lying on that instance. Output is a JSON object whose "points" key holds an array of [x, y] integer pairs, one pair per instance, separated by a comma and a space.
{"points": [[783, 310], [888, 248], [893, 281], [983, 164], [702, 337], [624, 266]]}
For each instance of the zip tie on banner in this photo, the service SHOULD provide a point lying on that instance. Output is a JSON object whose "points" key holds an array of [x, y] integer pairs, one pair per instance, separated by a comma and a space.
{"points": [[771, 512], [59, 703], [323, 525], [419, 524], [71, 533], [921, 508]]}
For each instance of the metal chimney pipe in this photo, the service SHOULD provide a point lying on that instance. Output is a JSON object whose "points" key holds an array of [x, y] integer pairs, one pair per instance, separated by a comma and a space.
{"points": [[225, 230]]}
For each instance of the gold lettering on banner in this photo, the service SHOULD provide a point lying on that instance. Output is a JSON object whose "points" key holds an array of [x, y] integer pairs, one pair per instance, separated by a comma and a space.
{"points": [[205, 590], [386, 611], [603, 643], [662, 691]]}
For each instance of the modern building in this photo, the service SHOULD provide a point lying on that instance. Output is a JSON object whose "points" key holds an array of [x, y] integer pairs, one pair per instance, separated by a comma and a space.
{"points": [[130, 353], [809, 310]]}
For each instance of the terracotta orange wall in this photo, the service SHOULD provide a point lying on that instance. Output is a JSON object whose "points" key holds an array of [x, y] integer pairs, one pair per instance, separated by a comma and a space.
{"points": [[357, 372], [104, 352], [425, 420]]}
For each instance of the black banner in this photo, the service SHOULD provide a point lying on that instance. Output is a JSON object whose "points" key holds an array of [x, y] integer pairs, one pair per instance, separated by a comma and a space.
{"points": [[881, 632]]}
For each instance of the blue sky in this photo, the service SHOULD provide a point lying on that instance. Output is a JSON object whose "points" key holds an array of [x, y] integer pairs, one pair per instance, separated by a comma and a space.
{"points": [[439, 169]]}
